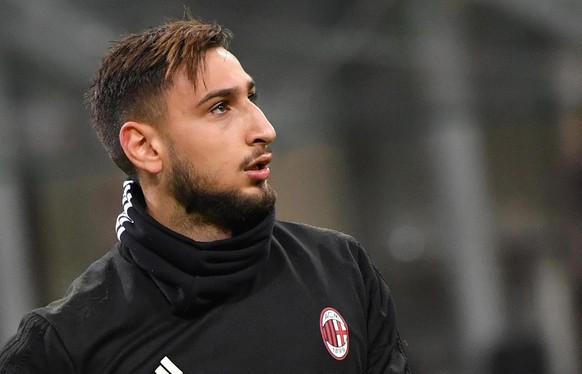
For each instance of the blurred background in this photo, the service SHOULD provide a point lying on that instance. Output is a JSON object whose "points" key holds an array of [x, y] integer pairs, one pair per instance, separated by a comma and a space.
{"points": [[445, 135]]}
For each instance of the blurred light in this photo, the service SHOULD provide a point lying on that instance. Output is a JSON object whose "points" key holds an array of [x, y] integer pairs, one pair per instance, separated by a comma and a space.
{"points": [[406, 243]]}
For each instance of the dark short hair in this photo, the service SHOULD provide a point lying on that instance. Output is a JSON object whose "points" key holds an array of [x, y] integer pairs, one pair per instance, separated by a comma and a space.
{"points": [[134, 76]]}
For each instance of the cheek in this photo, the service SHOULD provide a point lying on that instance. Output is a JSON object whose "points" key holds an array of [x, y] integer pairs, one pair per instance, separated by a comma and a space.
{"points": [[226, 164], [212, 153], [218, 163]]}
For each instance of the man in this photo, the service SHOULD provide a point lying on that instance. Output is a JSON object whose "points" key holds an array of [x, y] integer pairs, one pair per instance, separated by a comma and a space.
{"points": [[204, 279]]}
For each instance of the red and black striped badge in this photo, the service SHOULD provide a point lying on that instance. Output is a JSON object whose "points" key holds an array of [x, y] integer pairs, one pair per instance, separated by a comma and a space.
{"points": [[335, 333]]}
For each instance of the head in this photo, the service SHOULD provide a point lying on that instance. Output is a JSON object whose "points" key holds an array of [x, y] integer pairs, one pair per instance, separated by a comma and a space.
{"points": [[175, 110], [135, 75]]}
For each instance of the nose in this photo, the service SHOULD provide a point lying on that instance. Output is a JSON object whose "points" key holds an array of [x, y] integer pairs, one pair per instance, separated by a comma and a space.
{"points": [[260, 129]]}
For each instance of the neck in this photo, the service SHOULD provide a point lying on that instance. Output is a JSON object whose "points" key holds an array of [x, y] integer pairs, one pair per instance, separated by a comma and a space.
{"points": [[170, 214]]}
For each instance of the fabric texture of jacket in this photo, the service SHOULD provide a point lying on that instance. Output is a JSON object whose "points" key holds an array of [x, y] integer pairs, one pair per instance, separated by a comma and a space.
{"points": [[278, 298]]}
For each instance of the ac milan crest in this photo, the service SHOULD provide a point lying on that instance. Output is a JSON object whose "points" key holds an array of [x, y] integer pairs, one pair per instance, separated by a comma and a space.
{"points": [[334, 331]]}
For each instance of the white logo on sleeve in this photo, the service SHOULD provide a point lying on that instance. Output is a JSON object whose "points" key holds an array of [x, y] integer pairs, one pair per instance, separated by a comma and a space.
{"points": [[167, 367]]}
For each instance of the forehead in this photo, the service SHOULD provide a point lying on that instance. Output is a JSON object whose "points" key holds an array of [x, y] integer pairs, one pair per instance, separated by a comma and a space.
{"points": [[219, 70]]}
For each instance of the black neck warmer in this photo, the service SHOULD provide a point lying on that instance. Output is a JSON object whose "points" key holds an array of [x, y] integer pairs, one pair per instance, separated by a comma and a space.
{"points": [[192, 275]]}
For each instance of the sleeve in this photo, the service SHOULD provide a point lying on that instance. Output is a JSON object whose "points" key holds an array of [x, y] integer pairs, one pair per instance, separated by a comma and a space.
{"points": [[36, 348], [385, 347]]}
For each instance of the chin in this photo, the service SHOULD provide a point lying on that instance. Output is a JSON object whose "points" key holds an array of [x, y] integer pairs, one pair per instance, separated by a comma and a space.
{"points": [[259, 187]]}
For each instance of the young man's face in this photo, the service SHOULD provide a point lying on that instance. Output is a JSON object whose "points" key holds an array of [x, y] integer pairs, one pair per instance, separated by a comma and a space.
{"points": [[217, 140]]}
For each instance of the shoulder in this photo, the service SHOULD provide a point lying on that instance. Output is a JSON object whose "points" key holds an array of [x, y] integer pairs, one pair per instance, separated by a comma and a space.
{"points": [[35, 348], [318, 241], [93, 287], [110, 284], [111, 293], [307, 233], [46, 336], [326, 244]]}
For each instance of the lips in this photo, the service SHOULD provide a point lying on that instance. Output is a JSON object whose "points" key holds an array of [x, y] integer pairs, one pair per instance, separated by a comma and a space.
{"points": [[258, 169]]}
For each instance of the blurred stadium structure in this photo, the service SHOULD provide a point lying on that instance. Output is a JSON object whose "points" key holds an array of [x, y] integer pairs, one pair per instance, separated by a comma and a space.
{"points": [[445, 135]]}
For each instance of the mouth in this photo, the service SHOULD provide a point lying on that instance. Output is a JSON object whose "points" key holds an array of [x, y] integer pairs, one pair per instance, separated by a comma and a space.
{"points": [[258, 169]]}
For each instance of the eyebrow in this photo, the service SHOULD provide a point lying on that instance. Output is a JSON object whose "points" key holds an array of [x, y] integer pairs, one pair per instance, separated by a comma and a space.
{"points": [[225, 92]]}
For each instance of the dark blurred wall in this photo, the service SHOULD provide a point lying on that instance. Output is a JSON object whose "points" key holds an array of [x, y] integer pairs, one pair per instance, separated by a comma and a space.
{"points": [[429, 130]]}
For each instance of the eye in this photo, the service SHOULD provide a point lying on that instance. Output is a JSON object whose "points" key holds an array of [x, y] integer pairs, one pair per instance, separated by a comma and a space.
{"points": [[253, 96], [219, 108]]}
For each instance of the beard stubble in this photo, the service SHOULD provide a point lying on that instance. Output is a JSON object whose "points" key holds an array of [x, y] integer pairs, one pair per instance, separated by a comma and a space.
{"points": [[202, 201]]}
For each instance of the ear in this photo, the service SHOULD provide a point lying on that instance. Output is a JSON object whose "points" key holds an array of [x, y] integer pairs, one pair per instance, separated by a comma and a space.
{"points": [[142, 144]]}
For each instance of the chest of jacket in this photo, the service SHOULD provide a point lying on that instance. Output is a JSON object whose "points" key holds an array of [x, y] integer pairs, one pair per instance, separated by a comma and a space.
{"points": [[279, 325]]}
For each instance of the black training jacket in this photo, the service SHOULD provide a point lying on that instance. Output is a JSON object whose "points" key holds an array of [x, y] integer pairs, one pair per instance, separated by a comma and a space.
{"points": [[298, 300]]}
